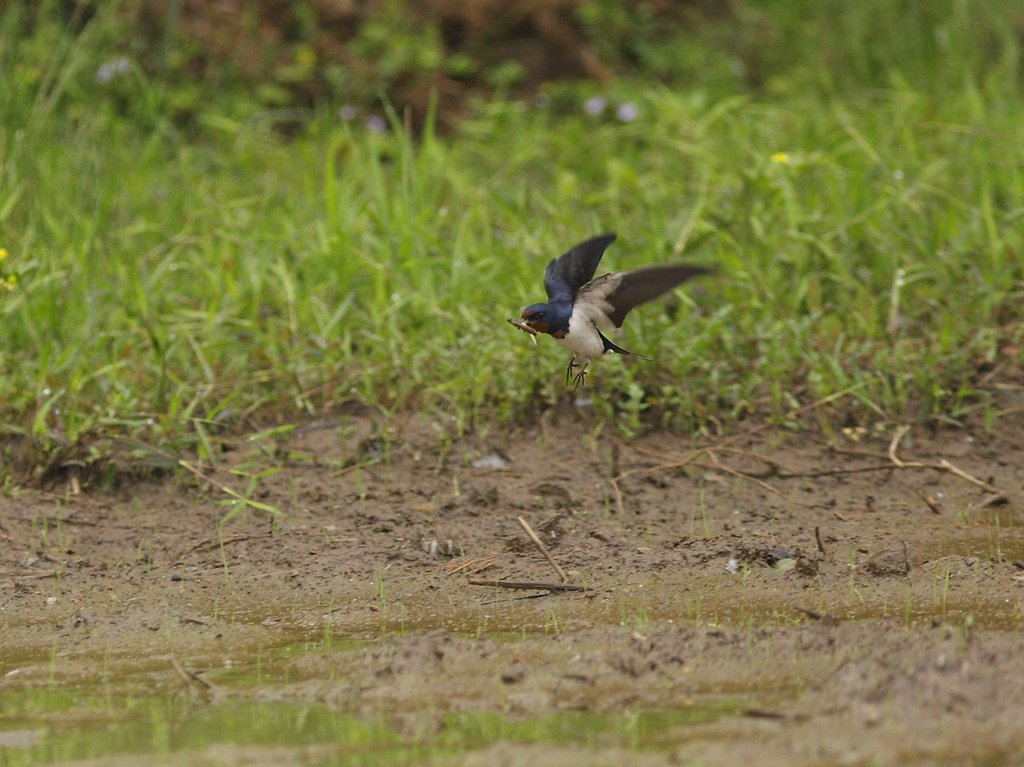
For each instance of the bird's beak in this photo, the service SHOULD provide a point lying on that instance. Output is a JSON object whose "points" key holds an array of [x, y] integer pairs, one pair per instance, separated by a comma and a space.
{"points": [[526, 322], [526, 327]]}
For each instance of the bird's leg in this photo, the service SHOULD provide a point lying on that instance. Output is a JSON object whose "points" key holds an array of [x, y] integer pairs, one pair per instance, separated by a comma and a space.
{"points": [[581, 377], [569, 368]]}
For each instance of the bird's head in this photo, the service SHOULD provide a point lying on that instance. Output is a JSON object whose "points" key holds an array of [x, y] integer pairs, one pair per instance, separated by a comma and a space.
{"points": [[536, 317]]}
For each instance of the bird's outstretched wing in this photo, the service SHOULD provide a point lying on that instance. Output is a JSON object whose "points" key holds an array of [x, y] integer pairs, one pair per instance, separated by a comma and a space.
{"points": [[565, 275], [608, 299]]}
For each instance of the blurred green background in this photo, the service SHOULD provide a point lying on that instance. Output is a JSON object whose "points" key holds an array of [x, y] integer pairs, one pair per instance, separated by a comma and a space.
{"points": [[219, 216]]}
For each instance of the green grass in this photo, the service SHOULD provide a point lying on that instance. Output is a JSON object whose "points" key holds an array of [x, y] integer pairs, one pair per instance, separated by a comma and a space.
{"points": [[175, 280]]}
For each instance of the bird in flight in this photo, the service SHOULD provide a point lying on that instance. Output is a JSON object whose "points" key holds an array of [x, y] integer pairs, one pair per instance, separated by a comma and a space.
{"points": [[580, 309]]}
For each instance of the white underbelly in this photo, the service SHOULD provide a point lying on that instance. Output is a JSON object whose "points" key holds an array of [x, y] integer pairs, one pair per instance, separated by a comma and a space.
{"points": [[582, 339]]}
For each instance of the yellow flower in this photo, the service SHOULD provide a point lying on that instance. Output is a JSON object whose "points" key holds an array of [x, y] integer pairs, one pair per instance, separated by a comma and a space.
{"points": [[3, 253], [305, 57], [780, 158]]}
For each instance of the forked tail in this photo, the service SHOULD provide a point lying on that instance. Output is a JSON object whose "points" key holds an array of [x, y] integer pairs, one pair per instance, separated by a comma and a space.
{"points": [[611, 347]]}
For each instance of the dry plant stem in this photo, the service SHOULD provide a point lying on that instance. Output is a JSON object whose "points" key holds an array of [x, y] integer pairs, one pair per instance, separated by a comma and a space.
{"points": [[941, 465], [930, 502], [473, 565], [894, 445], [543, 549], [895, 462], [191, 680], [217, 543], [719, 466], [506, 600], [531, 585], [521, 326], [714, 465], [817, 539]]}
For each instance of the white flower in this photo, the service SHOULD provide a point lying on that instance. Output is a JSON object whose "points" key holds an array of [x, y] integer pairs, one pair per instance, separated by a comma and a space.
{"points": [[108, 70]]}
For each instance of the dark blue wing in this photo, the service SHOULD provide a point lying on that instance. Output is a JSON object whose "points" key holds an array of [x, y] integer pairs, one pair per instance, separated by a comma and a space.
{"points": [[569, 272]]}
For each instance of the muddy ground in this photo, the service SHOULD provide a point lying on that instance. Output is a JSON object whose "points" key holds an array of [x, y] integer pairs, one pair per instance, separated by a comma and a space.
{"points": [[853, 599]]}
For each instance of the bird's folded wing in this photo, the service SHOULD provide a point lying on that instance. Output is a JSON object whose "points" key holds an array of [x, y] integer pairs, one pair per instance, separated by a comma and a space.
{"points": [[565, 275], [608, 299]]}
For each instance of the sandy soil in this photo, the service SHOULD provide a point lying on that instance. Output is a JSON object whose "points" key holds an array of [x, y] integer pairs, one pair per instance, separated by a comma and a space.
{"points": [[855, 600]]}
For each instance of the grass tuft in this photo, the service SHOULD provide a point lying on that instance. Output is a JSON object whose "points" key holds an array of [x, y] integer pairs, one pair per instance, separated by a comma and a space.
{"points": [[171, 284]]}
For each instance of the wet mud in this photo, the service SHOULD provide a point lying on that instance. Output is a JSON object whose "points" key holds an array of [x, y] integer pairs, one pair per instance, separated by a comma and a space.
{"points": [[773, 595]]}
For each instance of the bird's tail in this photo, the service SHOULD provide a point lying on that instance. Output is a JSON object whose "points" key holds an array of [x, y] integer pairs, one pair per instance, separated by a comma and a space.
{"points": [[615, 349]]}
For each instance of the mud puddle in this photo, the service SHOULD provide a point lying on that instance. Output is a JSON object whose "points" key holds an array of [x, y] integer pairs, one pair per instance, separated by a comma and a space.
{"points": [[249, 713]]}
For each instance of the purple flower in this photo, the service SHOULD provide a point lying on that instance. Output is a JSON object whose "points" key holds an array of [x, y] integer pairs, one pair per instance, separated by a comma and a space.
{"points": [[595, 105], [627, 112], [348, 113], [376, 124]]}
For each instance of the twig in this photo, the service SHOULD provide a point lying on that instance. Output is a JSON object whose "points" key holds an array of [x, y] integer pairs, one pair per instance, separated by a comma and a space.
{"points": [[930, 502], [213, 544], [543, 549], [817, 539], [717, 465], [896, 462], [894, 445], [941, 465], [191, 679], [834, 472], [473, 564], [775, 468], [525, 328], [504, 600], [944, 464], [524, 585], [677, 464]]}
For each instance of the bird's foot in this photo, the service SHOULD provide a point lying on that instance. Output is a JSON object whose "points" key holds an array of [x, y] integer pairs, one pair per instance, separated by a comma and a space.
{"points": [[575, 375]]}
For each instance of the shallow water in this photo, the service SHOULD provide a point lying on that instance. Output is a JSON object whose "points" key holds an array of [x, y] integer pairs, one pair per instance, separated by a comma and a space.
{"points": [[144, 716]]}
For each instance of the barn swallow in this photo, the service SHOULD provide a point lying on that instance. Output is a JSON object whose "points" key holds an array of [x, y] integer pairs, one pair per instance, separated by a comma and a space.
{"points": [[579, 307]]}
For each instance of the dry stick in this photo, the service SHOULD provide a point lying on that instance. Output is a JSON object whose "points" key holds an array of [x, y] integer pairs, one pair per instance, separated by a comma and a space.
{"points": [[504, 600], [760, 482], [524, 585], [895, 462], [930, 502], [543, 549], [614, 481], [894, 445], [213, 544], [474, 564], [941, 465], [817, 538], [715, 465], [834, 472], [776, 469], [190, 678]]}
